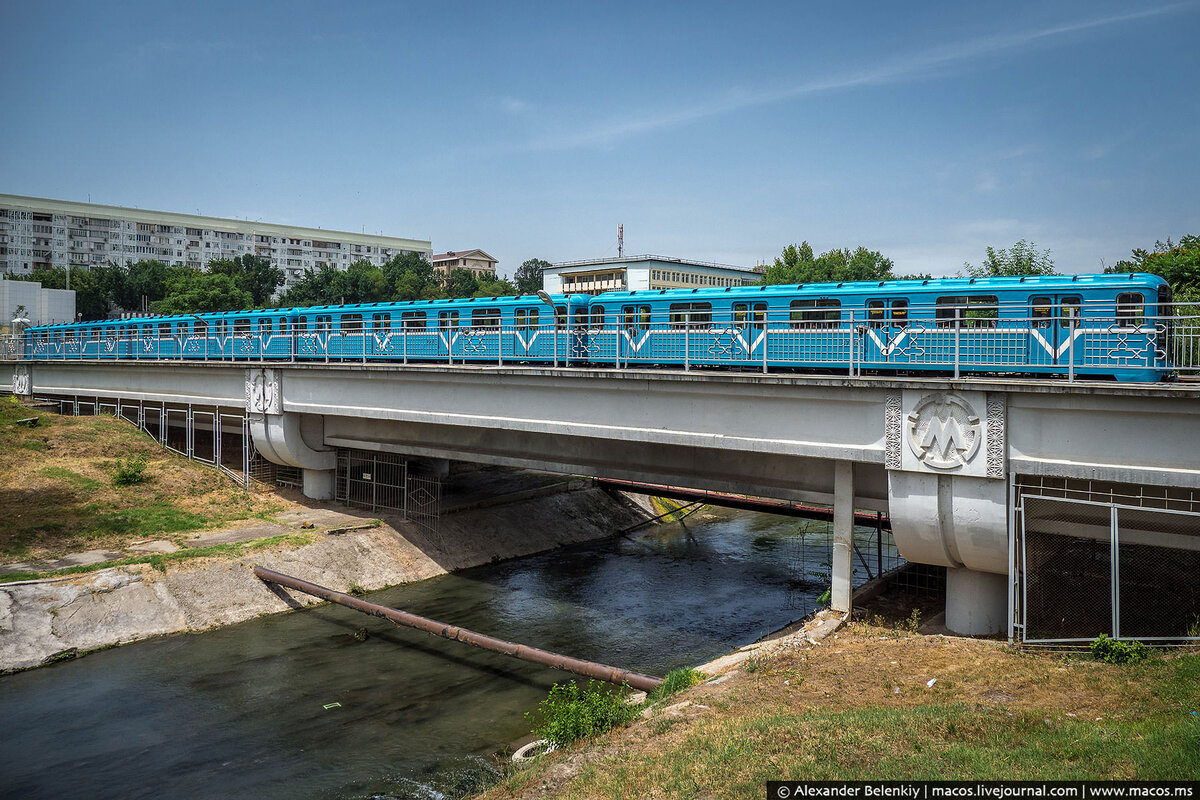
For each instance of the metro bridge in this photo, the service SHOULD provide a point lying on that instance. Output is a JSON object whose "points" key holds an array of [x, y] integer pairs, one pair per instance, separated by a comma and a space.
{"points": [[990, 478]]}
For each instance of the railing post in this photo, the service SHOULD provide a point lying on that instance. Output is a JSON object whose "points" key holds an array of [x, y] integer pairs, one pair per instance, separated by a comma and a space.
{"points": [[364, 344], [500, 344], [555, 337], [404, 338], [957, 340], [766, 327], [687, 341], [1071, 349]]}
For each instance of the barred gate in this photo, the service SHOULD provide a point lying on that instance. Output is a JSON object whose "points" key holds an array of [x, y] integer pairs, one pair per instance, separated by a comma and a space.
{"points": [[1095, 558], [386, 481]]}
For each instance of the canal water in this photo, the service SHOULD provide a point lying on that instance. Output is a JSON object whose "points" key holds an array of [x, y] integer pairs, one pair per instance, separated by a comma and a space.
{"points": [[295, 706]]}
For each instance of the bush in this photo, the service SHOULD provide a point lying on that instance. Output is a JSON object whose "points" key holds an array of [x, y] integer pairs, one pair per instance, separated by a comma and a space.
{"points": [[129, 470], [676, 681], [1112, 651], [572, 712]]}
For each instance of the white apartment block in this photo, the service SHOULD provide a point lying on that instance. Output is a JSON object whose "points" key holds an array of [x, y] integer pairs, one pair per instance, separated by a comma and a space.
{"points": [[37, 233]]}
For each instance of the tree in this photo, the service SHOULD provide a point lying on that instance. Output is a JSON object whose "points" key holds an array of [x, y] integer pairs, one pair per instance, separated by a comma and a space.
{"points": [[461, 283], [411, 277], [90, 299], [797, 264], [314, 289], [1021, 260], [495, 287], [528, 277], [250, 273], [191, 292], [362, 282], [143, 279], [1178, 264]]}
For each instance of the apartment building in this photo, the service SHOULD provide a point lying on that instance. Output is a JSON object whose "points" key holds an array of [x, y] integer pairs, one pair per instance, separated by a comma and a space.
{"points": [[639, 273], [36, 233]]}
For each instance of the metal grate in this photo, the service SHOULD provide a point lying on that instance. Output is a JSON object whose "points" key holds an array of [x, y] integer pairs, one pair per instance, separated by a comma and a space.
{"points": [[385, 481], [1095, 558]]}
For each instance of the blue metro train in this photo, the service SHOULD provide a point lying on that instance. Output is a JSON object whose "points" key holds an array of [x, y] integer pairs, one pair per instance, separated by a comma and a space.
{"points": [[1095, 325]]}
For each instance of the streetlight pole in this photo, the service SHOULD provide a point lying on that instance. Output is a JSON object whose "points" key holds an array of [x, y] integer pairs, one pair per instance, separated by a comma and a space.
{"points": [[545, 298]]}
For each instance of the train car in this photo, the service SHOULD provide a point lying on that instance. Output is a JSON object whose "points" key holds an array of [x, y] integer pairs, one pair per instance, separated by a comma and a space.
{"points": [[1098, 325]]}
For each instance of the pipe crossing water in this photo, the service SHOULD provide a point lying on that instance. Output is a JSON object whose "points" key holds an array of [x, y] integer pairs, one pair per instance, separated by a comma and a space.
{"points": [[590, 669]]}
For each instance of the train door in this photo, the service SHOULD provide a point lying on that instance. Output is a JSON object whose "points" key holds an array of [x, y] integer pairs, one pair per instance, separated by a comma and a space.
{"points": [[1054, 330], [635, 332], [448, 329], [525, 323]]}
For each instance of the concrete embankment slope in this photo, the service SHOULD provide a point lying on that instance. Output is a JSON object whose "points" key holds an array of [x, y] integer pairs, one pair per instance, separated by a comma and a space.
{"points": [[40, 619]]}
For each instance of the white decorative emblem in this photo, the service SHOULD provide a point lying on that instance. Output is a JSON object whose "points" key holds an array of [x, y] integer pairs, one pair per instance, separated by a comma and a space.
{"points": [[20, 381], [943, 431], [262, 392]]}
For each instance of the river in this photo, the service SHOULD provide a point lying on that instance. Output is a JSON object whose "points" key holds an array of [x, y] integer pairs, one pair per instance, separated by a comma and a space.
{"points": [[295, 706]]}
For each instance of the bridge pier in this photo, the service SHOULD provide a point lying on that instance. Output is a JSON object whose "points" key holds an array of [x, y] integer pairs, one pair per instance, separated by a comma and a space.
{"points": [[976, 602], [843, 536]]}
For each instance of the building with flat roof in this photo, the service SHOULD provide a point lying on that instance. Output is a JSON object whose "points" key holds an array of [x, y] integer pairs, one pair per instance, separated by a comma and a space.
{"points": [[37, 233], [477, 261], [39, 305], [637, 273]]}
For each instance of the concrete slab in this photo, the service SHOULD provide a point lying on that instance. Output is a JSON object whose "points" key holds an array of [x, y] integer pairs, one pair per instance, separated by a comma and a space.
{"points": [[156, 546]]}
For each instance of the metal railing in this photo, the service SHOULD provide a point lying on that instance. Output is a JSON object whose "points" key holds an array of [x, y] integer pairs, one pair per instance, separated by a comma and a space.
{"points": [[956, 340]]}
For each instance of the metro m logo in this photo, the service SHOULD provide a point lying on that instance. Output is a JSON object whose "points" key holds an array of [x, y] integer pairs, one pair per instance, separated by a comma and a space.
{"points": [[944, 432]]}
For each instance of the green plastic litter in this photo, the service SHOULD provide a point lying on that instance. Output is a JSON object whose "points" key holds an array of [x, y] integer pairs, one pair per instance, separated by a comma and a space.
{"points": [[332, 705]]}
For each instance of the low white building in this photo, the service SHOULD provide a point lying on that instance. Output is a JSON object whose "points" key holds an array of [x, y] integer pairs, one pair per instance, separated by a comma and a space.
{"points": [[42, 306], [638, 273]]}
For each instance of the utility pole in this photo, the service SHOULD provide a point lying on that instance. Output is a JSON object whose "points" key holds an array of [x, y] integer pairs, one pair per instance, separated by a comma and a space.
{"points": [[620, 240]]}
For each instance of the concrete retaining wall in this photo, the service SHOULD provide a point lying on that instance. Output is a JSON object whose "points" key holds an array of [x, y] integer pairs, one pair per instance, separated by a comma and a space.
{"points": [[41, 619]]}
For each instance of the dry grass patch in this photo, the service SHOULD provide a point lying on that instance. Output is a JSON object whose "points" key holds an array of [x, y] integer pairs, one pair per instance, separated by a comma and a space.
{"points": [[833, 712], [57, 492]]}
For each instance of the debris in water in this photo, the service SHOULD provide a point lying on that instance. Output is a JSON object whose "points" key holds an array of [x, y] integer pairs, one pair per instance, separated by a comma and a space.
{"points": [[328, 706]]}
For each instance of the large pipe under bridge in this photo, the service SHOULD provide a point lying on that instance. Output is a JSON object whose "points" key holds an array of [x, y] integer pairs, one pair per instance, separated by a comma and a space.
{"points": [[589, 669], [745, 503]]}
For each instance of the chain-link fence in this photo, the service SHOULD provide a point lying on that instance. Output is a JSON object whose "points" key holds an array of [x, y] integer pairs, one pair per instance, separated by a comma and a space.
{"points": [[1099, 558]]}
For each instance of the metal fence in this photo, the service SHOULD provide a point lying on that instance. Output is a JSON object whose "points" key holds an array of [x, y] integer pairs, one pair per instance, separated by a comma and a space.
{"points": [[809, 556], [1055, 340], [385, 481], [1097, 558]]}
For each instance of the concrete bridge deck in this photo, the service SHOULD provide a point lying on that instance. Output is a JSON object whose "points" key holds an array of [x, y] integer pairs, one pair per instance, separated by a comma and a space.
{"points": [[941, 456]]}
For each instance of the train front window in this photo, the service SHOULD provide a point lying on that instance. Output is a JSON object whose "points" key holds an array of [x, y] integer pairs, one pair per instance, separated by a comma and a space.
{"points": [[1131, 310]]}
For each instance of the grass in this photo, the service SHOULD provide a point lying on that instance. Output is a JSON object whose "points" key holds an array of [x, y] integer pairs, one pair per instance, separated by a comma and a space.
{"points": [[832, 712], [68, 496], [161, 561]]}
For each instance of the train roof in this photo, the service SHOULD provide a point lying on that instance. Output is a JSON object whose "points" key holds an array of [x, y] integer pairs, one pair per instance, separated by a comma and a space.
{"points": [[931, 285], [501, 300]]}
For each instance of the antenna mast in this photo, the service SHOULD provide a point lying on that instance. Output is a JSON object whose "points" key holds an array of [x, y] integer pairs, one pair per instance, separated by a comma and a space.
{"points": [[620, 241]]}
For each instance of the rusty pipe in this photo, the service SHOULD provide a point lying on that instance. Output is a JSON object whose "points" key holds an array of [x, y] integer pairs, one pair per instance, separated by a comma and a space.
{"points": [[589, 669]]}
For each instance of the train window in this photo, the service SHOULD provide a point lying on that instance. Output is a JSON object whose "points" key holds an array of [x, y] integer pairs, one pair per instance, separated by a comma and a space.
{"points": [[758, 318], [560, 315], [264, 324], [900, 312], [1040, 311], [581, 318], [597, 316], [351, 323], [812, 313], [448, 319], [519, 318], [739, 315], [877, 313], [629, 318], [241, 326], [1131, 309], [644, 317], [381, 322], [691, 314], [301, 323], [485, 318], [324, 323], [413, 320], [973, 311], [1069, 311], [164, 329]]}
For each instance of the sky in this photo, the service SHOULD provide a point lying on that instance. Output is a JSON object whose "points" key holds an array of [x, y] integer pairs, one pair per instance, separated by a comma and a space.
{"points": [[713, 131]]}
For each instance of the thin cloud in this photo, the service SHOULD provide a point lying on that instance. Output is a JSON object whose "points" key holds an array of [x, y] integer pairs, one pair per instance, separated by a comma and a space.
{"points": [[910, 67]]}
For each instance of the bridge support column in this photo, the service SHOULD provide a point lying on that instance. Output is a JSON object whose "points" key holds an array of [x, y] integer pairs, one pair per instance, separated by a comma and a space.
{"points": [[318, 483], [843, 536], [976, 602]]}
